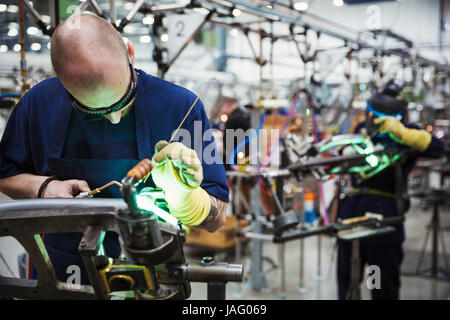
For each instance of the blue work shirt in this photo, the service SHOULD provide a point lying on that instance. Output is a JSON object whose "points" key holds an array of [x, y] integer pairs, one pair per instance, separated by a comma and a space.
{"points": [[95, 137], [39, 126]]}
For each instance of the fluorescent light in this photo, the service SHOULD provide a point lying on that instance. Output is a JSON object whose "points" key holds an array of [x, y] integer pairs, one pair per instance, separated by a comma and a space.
{"points": [[36, 46], [3, 48], [13, 9], [236, 12], [234, 32], [129, 29], [201, 11], [148, 19], [301, 6], [3, 7], [269, 6], [32, 31], [16, 47], [13, 32], [338, 3], [164, 37], [144, 39], [46, 19]]}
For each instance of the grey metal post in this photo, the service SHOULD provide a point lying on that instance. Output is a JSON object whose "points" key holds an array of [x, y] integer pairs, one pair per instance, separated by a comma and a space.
{"points": [[281, 257], [257, 279], [301, 287]]}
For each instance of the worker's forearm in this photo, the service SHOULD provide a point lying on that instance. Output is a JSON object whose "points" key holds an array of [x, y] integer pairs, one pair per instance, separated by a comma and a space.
{"points": [[217, 215], [22, 186]]}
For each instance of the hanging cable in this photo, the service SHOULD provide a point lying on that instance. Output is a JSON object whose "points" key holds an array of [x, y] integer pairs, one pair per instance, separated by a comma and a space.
{"points": [[316, 140], [247, 140], [283, 129]]}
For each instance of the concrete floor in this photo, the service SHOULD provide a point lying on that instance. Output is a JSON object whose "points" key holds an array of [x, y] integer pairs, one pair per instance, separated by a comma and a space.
{"points": [[413, 287], [324, 287]]}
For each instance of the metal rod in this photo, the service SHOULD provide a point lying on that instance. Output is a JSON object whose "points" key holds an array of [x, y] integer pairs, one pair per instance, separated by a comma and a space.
{"points": [[182, 121], [130, 15], [281, 255], [23, 62], [293, 17], [134, 10], [112, 11], [93, 4]]}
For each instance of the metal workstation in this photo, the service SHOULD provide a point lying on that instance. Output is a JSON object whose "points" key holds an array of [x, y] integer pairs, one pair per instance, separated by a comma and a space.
{"points": [[224, 150]]}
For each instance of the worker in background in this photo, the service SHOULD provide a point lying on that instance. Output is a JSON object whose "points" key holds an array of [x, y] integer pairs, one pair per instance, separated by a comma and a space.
{"points": [[94, 122], [238, 118], [386, 114]]}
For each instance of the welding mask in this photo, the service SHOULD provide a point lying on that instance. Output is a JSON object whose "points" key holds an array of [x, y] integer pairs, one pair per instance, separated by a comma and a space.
{"points": [[385, 104]]}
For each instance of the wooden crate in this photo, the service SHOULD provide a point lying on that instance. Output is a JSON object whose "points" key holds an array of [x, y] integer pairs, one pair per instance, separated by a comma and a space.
{"points": [[222, 239]]}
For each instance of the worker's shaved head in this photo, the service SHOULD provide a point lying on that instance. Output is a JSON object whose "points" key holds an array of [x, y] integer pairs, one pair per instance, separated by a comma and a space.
{"points": [[91, 60]]}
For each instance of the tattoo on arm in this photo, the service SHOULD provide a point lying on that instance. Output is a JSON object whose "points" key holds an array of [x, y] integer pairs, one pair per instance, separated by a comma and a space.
{"points": [[217, 215]]}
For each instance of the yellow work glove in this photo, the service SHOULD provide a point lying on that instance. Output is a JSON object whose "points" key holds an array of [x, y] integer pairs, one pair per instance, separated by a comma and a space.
{"points": [[417, 139], [178, 171]]}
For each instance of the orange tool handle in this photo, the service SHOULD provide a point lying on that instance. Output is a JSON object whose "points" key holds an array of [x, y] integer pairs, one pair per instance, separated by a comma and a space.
{"points": [[141, 170]]}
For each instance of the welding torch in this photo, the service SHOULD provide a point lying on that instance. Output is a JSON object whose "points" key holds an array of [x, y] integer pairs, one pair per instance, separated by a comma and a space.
{"points": [[138, 172]]}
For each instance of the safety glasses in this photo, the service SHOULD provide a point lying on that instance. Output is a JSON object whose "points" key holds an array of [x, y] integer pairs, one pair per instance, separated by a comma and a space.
{"points": [[379, 114], [123, 102]]}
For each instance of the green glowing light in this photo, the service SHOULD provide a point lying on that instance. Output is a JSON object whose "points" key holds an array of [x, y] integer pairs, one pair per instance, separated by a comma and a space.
{"points": [[372, 160], [335, 170], [352, 140], [146, 202]]}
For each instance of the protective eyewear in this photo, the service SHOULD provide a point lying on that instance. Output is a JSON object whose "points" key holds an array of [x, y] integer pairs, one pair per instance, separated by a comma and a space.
{"points": [[123, 102]]}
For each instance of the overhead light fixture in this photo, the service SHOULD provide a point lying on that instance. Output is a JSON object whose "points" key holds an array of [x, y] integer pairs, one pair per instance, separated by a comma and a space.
{"points": [[32, 31], [3, 7], [16, 47], [236, 12], [36, 46], [46, 19], [269, 6], [164, 37], [201, 11], [234, 32], [13, 9], [3, 48], [148, 19], [13, 32], [338, 3], [144, 39], [129, 29], [301, 6]]}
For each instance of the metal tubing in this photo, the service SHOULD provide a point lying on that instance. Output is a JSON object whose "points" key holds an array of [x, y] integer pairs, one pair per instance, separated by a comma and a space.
{"points": [[93, 4], [351, 36], [354, 292], [134, 10], [112, 11], [215, 272]]}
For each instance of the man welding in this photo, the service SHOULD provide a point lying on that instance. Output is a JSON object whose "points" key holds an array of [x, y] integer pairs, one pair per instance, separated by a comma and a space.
{"points": [[385, 120], [93, 123]]}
